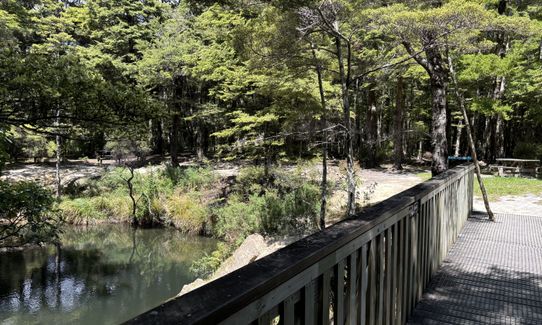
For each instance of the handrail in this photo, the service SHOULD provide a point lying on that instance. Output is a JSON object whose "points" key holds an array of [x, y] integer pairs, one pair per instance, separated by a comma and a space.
{"points": [[385, 256]]}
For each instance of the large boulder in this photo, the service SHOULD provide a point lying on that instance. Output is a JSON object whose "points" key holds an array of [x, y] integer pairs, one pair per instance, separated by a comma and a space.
{"points": [[253, 248]]}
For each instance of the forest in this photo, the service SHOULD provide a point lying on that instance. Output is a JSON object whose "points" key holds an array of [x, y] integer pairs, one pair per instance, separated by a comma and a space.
{"points": [[230, 118]]}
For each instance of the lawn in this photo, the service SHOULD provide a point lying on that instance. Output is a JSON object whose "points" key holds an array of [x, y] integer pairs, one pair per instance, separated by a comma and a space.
{"points": [[503, 186]]}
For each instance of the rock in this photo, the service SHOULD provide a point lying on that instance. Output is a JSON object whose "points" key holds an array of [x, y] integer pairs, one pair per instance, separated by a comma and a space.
{"points": [[253, 248], [192, 286], [249, 251]]}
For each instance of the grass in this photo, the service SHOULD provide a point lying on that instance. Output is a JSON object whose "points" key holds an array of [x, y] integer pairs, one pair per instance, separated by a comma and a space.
{"points": [[504, 186], [498, 187], [425, 176]]}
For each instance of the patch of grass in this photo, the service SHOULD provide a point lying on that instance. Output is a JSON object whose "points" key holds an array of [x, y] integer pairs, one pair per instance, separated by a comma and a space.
{"points": [[164, 196], [114, 206], [502, 186], [424, 176], [185, 211]]}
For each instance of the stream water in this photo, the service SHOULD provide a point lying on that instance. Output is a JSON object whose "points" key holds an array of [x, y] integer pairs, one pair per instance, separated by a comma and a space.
{"points": [[102, 275]]}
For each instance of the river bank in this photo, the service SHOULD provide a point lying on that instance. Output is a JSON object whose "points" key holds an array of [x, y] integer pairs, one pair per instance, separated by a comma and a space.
{"points": [[102, 274]]}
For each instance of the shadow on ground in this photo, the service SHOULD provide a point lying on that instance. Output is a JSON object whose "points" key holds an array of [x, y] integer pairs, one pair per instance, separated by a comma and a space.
{"points": [[492, 275]]}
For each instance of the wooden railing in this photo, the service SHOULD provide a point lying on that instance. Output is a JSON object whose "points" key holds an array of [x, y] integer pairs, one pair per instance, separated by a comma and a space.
{"points": [[371, 269]]}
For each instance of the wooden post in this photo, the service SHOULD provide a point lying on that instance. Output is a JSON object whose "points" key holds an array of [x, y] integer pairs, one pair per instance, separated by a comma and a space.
{"points": [[461, 101]]}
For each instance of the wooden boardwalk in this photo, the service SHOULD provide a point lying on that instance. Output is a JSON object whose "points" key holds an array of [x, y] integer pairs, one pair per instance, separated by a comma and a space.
{"points": [[492, 275]]}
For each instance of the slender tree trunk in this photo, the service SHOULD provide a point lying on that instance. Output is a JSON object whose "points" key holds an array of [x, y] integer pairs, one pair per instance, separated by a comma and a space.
{"points": [[131, 194], [461, 101], [323, 185], [371, 129], [350, 177], [58, 184], [498, 150], [398, 125], [458, 138], [157, 138], [174, 139], [199, 142]]}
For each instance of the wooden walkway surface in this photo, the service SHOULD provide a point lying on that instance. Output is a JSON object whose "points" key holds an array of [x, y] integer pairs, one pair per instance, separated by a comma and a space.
{"points": [[492, 275]]}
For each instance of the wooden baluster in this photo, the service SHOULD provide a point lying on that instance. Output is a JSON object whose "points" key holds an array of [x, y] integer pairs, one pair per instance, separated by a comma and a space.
{"points": [[352, 277], [388, 303], [338, 313], [309, 303], [406, 277], [325, 285], [380, 276], [414, 264], [372, 282], [364, 296], [287, 316], [395, 277]]}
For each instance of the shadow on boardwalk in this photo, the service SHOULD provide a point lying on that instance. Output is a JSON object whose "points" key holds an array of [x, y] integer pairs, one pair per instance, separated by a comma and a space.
{"points": [[492, 275]]}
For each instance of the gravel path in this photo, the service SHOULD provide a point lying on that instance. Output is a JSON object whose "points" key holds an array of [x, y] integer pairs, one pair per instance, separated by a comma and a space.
{"points": [[529, 204]]}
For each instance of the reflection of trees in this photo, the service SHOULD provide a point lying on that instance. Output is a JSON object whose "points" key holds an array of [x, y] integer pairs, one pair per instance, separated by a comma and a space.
{"points": [[100, 272]]}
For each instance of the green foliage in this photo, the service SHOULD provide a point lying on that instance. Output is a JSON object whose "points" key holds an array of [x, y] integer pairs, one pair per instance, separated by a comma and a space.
{"points": [[191, 178], [164, 195], [26, 214], [239, 218], [528, 150], [283, 202], [208, 264]]}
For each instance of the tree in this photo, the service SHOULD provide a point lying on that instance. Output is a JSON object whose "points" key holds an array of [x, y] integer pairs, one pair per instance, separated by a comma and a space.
{"points": [[327, 17], [422, 32]]}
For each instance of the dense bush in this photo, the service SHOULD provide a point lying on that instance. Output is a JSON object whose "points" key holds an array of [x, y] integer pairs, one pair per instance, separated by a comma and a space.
{"points": [[26, 214], [277, 203], [239, 218]]}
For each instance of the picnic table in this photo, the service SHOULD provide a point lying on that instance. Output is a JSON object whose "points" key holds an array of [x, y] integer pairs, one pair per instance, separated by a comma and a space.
{"points": [[516, 167]]}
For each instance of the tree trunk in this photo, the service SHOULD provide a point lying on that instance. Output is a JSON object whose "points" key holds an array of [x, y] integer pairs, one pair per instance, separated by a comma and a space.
{"points": [[199, 142], [439, 140], [398, 125], [371, 130], [498, 150], [174, 139], [323, 185], [157, 140], [350, 177], [438, 75], [58, 184], [459, 132]]}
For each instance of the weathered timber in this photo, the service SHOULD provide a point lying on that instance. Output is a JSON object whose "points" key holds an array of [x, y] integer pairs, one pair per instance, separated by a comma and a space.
{"points": [[399, 243]]}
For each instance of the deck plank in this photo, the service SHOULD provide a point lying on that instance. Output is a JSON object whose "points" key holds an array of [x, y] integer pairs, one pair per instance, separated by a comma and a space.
{"points": [[492, 275]]}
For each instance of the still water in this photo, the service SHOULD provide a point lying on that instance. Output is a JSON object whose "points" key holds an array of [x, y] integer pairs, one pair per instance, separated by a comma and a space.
{"points": [[101, 275]]}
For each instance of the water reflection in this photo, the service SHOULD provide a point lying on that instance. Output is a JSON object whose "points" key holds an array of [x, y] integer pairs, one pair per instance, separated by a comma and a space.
{"points": [[101, 275]]}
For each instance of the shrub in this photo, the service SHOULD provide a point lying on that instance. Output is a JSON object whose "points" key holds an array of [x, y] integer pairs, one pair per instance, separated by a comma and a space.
{"points": [[191, 178], [26, 214], [185, 211], [294, 212], [208, 264], [81, 210], [238, 219]]}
